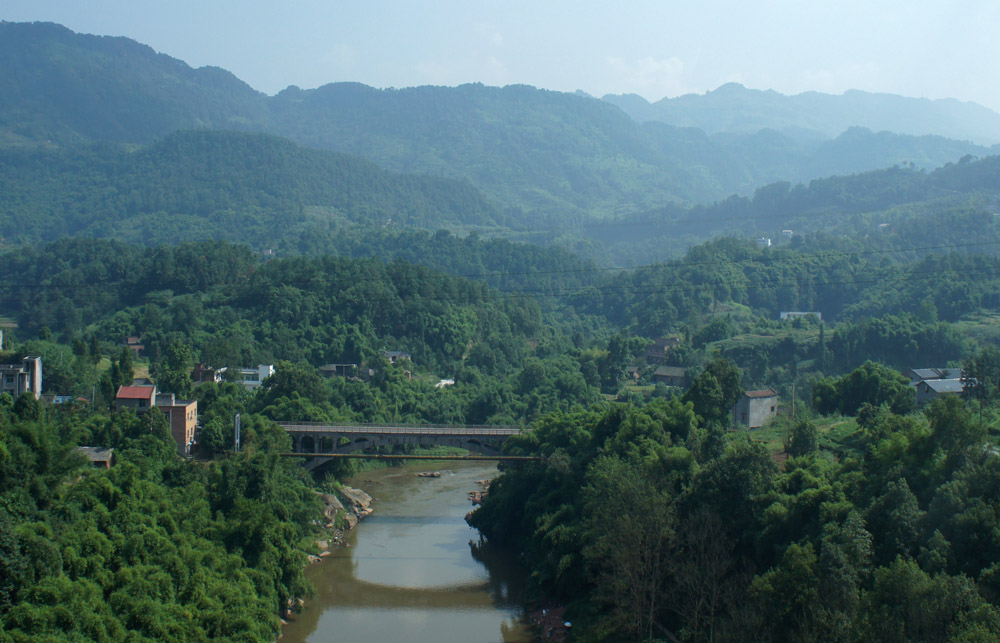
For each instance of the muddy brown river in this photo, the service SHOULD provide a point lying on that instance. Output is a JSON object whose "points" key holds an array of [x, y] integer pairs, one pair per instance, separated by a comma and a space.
{"points": [[414, 570]]}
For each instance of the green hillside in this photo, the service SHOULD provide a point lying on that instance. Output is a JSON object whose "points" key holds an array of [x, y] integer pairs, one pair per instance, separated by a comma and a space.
{"points": [[217, 185]]}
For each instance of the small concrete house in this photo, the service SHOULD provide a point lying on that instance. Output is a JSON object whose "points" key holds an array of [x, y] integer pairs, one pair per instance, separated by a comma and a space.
{"points": [[929, 390], [755, 409], [137, 398], [670, 375], [100, 457]]}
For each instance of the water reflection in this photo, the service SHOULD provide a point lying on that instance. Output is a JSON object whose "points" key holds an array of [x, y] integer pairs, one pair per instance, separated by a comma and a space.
{"points": [[414, 570]]}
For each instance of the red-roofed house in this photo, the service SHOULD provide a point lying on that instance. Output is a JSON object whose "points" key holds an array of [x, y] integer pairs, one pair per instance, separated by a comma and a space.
{"points": [[182, 415], [138, 398], [755, 409]]}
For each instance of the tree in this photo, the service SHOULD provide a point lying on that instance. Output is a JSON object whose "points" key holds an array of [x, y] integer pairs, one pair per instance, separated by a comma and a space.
{"points": [[871, 383], [894, 520], [630, 556], [908, 604], [215, 437], [804, 438], [174, 372], [715, 391], [981, 377]]}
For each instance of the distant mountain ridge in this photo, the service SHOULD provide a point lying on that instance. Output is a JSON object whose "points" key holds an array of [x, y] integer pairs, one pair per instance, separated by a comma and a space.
{"points": [[733, 108], [549, 158]]}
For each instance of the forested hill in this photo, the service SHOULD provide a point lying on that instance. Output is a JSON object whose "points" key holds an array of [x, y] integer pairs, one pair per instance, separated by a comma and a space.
{"points": [[198, 184], [549, 154], [65, 86], [734, 108], [892, 208]]}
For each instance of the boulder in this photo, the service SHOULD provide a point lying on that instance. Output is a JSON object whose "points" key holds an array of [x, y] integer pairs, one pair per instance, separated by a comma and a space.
{"points": [[331, 505], [359, 501]]}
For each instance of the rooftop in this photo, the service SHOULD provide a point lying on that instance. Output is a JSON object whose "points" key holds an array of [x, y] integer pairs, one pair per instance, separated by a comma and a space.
{"points": [[97, 454], [944, 386], [767, 392], [135, 392]]}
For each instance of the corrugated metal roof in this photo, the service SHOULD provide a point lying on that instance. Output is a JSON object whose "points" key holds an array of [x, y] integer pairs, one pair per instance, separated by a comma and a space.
{"points": [[944, 386], [767, 392]]}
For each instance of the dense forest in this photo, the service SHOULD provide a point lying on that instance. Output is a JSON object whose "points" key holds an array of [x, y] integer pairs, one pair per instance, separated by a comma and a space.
{"points": [[154, 549], [272, 194], [652, 524]]}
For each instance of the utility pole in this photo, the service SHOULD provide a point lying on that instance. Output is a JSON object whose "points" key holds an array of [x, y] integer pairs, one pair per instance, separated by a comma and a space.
{"points": [[236, 433]]}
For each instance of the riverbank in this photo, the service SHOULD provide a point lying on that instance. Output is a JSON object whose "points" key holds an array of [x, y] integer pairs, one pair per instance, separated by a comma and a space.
{"points": [[408, 572], [343, 510]]}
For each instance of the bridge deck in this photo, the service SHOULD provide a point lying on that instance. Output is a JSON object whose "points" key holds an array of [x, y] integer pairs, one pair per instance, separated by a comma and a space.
{"points": [[402, 429]]}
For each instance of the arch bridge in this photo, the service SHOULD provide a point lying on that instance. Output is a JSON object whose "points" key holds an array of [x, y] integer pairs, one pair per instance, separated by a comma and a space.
{"points": [[338, 439]]}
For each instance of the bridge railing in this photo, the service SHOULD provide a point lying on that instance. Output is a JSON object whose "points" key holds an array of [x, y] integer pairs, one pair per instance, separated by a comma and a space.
{"points": [[410, 429]]}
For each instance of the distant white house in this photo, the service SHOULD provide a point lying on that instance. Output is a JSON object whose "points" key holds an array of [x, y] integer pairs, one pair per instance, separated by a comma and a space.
{"points": [[251, 377], [22, 377], [795, 314], [787, 234], [764, 242]]}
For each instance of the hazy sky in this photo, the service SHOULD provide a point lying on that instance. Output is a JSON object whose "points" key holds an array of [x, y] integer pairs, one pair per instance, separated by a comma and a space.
{"points": [[922, 48]]}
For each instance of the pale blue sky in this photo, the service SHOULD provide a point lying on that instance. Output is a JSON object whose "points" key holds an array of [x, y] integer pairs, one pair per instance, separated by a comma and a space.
{"points": [[922, 48]]}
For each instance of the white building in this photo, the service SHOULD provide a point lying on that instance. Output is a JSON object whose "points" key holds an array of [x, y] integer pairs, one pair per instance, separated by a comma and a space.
{"points": [[24, 377], [251, 377]]}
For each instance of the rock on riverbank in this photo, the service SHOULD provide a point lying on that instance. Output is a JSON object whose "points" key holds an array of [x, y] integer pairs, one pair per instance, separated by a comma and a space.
{"points": [[352, 505]]}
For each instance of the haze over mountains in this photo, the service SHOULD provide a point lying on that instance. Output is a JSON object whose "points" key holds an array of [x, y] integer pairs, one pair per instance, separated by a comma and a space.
{"points": [[736, 109], [546, 152], [523, 162]]}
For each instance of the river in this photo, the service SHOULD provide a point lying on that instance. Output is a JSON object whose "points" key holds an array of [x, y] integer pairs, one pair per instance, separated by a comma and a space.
{"points": [[411, 572]]}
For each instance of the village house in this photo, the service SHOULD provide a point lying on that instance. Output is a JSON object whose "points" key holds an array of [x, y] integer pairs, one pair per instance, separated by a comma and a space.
{"points": [[100, 457], [339, 370], [918, 375], [657, 352], [182, 415], [23, 377], [137, 399], [251, 377], [671, 376], [134, 344], [931, 389], [396, 356], [755, 409]]}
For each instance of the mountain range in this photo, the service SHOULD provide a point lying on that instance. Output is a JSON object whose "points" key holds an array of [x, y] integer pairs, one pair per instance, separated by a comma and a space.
{"points": [[810, 116], [542, 157]]}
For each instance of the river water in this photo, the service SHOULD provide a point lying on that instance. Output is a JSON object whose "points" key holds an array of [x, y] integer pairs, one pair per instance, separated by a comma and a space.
{"points": [[414, 571]]}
